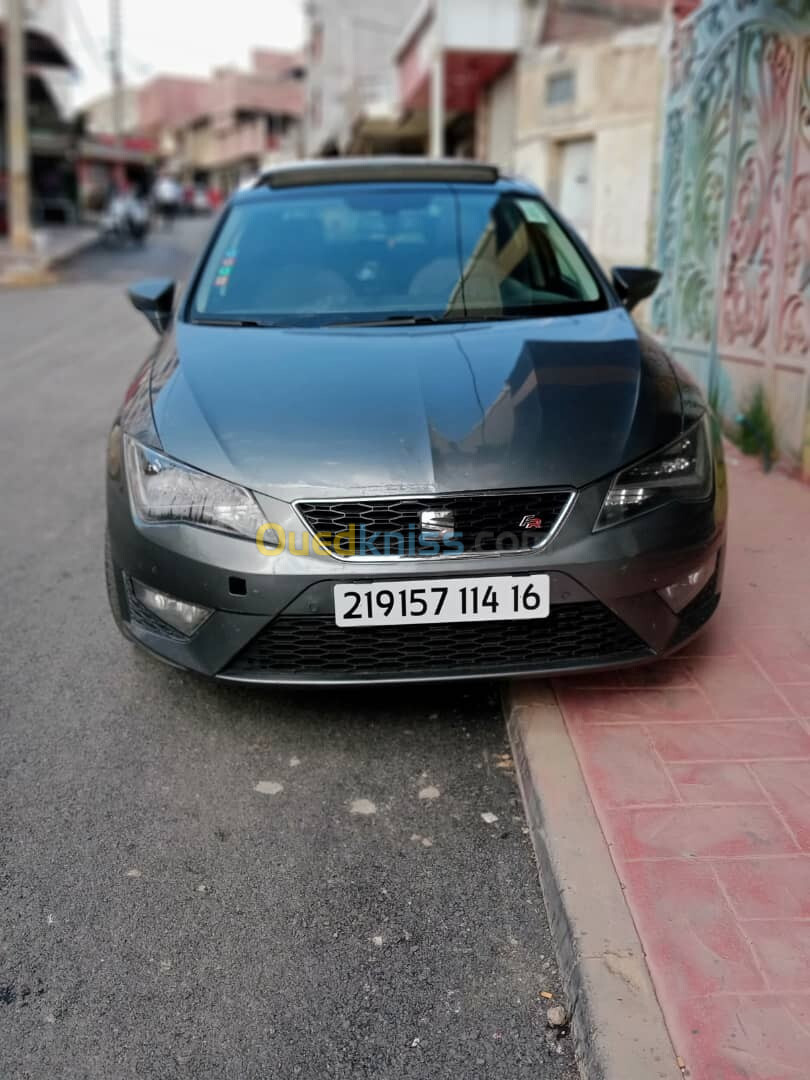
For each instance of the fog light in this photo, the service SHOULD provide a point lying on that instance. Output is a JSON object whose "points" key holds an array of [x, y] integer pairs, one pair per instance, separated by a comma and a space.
{"points": [[177, 613], [680, 593]]}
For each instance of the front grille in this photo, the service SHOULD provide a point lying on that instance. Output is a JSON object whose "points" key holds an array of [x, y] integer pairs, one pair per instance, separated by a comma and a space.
{"points": [[482, 524], [698, 611], [312, 646]]}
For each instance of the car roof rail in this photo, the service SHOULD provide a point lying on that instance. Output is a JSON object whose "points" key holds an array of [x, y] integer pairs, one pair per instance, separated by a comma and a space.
{"points": [[371, 169]]}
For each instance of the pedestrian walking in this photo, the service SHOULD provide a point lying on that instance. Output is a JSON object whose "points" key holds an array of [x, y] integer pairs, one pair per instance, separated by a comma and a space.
{"points": [[167, 197]]}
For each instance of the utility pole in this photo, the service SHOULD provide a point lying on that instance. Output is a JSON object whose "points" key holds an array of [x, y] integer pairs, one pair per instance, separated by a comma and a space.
{"points": [[117, 77], [19, 196], [437, 110], [437, 87]]}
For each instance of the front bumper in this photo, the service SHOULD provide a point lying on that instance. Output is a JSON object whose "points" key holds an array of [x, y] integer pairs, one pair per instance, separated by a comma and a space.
{"points": [[278, 627]]}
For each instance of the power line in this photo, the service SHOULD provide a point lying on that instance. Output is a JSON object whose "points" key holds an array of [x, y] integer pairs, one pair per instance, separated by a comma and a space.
{"points": [[116, 71], [91, 46], [132, 65]]}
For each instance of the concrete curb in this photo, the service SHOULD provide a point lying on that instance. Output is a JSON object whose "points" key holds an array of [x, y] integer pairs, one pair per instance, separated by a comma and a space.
{"points": [[617, 1023], [66, 255], [38, 269]]}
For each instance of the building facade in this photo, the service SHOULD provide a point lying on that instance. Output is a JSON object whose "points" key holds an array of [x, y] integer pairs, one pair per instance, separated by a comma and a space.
{"points": [[565, 93], [578, 113], [351, 71], [100, 115], [587, 131], [451, 56], [249, 120], [734, 222], [54, 189], [166, 103], [221, 130]]}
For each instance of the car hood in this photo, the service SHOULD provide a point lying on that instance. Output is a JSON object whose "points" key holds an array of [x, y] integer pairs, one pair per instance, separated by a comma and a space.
{"points": [[307, 413]]}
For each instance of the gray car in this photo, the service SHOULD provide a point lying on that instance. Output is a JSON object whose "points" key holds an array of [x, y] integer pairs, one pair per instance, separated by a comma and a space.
{"points": [[400, 426]]}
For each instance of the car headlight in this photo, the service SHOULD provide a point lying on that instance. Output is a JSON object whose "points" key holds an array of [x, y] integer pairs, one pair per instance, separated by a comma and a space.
{"points": [[164, 490], [683, 471]]}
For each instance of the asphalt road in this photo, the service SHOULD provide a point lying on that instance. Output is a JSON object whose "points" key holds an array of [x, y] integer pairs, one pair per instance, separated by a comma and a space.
{"points": [[206, 881]]}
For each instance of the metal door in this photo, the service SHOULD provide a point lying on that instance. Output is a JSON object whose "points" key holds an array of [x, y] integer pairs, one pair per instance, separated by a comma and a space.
{"points": [[576, 184]]}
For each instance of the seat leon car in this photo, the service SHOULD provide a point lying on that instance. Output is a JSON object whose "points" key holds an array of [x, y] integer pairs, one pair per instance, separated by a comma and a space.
{"points": [[399, 425]]}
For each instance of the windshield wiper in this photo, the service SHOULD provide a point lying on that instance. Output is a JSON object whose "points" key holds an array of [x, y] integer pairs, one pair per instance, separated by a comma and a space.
{"points": [[233, 322], [427, 320], [508, 316], [388, 320], [393, 320]]}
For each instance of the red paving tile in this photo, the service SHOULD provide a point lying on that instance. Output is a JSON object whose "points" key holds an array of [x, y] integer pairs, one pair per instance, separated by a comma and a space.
{"points": [[782, 652], [716, 865], [689, 832], [746, 740], [623, 767], [742, 1038], [691, 938], [787, 784], [620, 705], [738, 690], [798, 697], [669, 673], [767, 888], [783, 951], [716, 781], [784, 606], [715, 640]]}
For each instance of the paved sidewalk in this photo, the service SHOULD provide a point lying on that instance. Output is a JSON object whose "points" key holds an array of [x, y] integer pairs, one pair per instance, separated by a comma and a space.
{"points": [[52, 246], [699, 771]]}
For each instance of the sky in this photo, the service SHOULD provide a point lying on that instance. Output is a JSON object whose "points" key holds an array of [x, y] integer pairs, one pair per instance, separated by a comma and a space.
{"points": [[187, 37]]}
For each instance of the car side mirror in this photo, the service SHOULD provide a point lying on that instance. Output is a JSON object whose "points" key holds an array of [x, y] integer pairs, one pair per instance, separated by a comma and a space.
{"points": [[634, 283], [155, 300]]}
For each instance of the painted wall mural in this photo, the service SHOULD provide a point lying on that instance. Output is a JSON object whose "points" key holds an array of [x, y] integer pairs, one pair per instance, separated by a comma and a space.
{"points": [[707, 149], [734, 227], [795, 316], [767, 64]]}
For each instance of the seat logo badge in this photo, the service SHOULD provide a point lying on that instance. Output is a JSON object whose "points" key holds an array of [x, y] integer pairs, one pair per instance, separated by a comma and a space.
{"points": [[436, 525], [530, 521]]}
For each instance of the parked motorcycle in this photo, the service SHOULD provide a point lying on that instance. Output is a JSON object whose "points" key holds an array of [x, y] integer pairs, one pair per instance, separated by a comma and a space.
{"points": [[126, 220]]}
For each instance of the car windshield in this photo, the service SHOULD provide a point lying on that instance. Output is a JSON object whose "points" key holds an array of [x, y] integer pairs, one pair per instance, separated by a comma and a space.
{"points": [[389, 254]]}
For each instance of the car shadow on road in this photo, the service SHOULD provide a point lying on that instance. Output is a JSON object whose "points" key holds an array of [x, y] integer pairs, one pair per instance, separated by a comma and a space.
{"points": [[409, 705]]}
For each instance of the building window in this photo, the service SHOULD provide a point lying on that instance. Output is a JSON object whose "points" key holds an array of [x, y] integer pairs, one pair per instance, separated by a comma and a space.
{"points": [[560, 88]]}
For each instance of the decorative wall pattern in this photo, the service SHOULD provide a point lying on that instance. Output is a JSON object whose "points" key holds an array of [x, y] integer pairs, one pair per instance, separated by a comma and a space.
{"points": [[767, 65], [669, 219], [794, 338], [706, 167], [734, 226]]}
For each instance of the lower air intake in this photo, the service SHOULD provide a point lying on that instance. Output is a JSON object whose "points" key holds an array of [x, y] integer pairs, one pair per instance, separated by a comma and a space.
{"points": [[313, 646]]}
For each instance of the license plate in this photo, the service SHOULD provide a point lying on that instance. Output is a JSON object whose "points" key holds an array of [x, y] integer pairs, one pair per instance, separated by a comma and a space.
{"points": [[475, 599]]}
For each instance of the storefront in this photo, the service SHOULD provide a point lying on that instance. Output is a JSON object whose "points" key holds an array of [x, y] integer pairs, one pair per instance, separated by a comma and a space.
{"points": [[53, 173]]}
